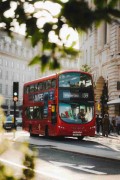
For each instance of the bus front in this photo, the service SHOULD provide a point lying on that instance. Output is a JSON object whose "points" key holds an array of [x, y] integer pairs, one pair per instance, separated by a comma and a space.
{"points": [[76, 105]]}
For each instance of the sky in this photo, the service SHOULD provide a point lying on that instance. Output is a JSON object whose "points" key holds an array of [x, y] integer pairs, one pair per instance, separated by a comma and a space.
{"points": [[46, 12]]}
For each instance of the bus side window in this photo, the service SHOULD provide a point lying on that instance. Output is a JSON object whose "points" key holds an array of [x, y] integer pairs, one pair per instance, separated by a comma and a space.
{"points": [[48, 84], [32, 88], [53, 83], [40, 86], [27, 89], [44, 85], [37, 114], [27, 112], [31, 110], [36, 87]]}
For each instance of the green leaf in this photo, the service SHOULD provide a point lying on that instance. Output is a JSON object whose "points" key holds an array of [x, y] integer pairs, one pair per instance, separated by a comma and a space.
{"points": [[35, 60], [71, 51], [100, 3], [54, 64], [44, 61], [112, 3]]}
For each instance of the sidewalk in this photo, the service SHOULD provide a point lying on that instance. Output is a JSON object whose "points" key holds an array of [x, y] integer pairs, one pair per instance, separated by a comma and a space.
{"points": [[113, 140]]}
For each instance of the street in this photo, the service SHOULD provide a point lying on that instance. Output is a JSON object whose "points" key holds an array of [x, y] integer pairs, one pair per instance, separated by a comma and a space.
{"points": [[54, 163]]}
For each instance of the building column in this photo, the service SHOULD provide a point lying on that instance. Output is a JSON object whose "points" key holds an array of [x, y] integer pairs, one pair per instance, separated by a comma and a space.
{"points": [[112, 85]]}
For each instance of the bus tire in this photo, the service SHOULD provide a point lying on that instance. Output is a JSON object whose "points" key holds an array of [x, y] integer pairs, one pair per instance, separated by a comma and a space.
{"points": [[46, 132], [80, 137]]}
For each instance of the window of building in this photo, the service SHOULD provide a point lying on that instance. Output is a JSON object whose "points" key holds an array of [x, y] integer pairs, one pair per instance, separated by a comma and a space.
{"points": [[23, 67], [1, 62], [12, 64], [105, 33], [6, 63], [90, 54], [12, 76], [17, 77], [6, 75], [23, 78], [0, 88], [6, 89], [18, 65], [0, 73], [7, 102], [11, 90]]}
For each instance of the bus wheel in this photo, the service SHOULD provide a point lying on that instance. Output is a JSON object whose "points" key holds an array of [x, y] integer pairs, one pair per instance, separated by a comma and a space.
{"points": [[80, 137], [46, 132]]}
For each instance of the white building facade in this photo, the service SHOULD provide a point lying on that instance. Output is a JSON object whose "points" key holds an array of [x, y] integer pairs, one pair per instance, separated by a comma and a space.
{"points": [[101, 51], [15, 55]]}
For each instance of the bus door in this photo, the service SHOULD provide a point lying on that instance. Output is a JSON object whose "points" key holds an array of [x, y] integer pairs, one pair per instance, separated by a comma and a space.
{"points": [[53, 114]]}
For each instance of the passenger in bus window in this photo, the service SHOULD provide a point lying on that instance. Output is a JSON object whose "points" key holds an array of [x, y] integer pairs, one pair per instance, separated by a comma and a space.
{"points": [[82, 85], [53, 83]]}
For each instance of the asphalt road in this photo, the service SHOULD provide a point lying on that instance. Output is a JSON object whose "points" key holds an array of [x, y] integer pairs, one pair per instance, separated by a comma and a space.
{"points": [[73, 165], [55, 164]]}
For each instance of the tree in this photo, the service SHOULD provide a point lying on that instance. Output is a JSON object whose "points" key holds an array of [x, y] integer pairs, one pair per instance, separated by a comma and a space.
{"points": [[86, 68], [74, 13]]}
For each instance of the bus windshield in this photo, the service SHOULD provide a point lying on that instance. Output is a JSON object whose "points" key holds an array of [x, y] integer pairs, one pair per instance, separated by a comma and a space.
{"points": [[76, 113], [76, 97]]}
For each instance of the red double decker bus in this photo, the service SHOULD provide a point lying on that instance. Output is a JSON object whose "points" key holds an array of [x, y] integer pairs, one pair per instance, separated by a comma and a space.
{"points": [[60, 105]]}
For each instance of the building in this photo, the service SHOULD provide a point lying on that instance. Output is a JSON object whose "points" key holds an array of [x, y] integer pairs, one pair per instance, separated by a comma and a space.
{"points": [[14, 57], [101, 51]]}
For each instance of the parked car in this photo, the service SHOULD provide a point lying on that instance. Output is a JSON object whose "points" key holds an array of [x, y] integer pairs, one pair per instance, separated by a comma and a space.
{"points": [[19, 121], [8, 124]]}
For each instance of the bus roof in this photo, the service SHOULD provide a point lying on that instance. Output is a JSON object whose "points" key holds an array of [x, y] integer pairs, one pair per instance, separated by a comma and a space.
{"points": [[52, 76]]}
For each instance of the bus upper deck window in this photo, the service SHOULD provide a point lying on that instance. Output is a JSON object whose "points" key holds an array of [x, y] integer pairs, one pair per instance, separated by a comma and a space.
{"points": [[27, 89], [48, 84], [44, 85], [53, 83], [32, 88], [40, 86], [36, 87]]}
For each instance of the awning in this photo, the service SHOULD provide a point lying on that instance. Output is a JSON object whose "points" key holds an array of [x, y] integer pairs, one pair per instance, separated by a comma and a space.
{"points": [[115, 101]]}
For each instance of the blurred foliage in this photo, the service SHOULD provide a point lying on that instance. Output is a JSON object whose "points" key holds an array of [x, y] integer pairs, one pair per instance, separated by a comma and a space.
{"points": [[85, 68], [77, 14], [7, 172]]}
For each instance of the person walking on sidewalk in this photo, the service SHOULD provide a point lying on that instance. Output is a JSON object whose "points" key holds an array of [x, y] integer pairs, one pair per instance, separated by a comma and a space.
{"points": [[98, 124], [118, 125], [114, 124], [106, 125]]}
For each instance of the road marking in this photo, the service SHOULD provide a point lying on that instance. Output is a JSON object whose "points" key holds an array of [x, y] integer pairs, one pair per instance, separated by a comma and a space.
{"points": [[80, 167], [24, 167]]}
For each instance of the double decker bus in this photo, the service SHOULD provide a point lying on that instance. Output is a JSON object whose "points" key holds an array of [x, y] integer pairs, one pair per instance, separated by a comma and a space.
{"points": [[60, 105]]}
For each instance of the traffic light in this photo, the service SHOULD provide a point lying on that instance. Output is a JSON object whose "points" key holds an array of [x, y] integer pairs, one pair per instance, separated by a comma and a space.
{"points": [[15, 91]]}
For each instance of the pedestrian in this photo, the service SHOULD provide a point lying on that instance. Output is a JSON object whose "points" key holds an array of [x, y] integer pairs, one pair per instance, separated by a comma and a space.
{"points": [[98, 124], [118, 124], [105, 125], [114, 124], [100, 119]]}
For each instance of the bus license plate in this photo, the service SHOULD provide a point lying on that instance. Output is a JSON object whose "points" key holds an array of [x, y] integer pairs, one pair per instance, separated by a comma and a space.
{"points": [[77, 133]]}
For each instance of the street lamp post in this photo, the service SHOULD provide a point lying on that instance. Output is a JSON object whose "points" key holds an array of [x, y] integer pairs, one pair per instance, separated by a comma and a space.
{"points": [[15, 99]]}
